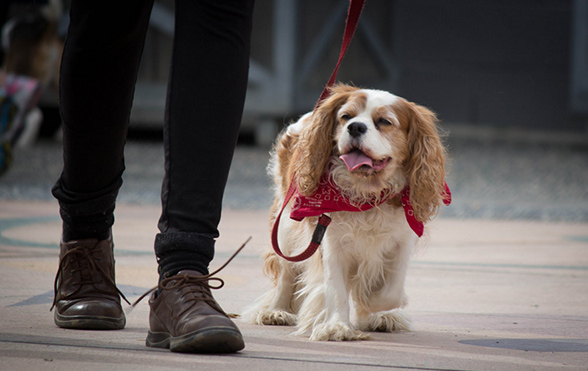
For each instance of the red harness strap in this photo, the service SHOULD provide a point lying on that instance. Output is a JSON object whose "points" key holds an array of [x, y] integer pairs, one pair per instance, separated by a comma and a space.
{"points": [[353, 14], [317, 236]]}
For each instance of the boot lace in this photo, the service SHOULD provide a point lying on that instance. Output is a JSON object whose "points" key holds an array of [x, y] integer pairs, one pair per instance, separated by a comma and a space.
{"points": [[195, 284], [86, 265]]}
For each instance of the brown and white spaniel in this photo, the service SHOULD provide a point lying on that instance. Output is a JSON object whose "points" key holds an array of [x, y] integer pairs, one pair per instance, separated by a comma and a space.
{"points": [[375, 163]]}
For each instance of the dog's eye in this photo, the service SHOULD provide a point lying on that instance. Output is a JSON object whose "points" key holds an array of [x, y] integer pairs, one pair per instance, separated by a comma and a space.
{"points": [[345, 117], [384, 122]]}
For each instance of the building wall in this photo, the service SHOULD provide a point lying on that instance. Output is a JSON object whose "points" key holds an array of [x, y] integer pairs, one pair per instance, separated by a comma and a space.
{"points": [[498, 62]]}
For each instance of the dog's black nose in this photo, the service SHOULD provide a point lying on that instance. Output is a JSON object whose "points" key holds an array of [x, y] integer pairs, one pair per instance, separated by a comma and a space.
{"points": [[356, 129]]}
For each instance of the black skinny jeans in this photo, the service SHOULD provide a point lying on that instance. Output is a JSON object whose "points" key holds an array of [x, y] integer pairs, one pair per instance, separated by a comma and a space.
{"points": [[205, 97]]}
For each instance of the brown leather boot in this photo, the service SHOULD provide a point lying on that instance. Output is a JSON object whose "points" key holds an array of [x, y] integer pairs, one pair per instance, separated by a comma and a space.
{"points": [[184, 317], [86, 296]]}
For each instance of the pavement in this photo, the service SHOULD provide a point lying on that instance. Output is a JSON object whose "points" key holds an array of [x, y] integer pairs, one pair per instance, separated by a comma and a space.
{"points": [[500, 282]]}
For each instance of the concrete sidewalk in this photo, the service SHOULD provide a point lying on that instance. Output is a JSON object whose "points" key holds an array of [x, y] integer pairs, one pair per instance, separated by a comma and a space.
{"points": [[484, 295]]}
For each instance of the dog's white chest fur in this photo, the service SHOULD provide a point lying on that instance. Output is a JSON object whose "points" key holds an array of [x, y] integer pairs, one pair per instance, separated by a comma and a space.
{"points": [[360, 235], [371, 250]]}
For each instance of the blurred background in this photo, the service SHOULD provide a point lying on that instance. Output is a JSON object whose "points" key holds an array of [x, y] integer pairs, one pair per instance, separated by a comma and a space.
{"points": [[508, 79], [494, 63]]}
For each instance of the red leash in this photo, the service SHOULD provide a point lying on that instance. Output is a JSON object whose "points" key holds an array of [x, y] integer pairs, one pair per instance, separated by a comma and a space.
{"points": [[317, 236], [353, 14]]}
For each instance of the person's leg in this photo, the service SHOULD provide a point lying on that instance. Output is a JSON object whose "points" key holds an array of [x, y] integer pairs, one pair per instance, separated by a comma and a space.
{"points": [[206, 93], [98, 74]]}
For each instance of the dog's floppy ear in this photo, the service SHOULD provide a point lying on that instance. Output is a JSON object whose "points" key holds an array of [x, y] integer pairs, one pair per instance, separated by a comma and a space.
{"points": [[425, 167], [317, 140]]}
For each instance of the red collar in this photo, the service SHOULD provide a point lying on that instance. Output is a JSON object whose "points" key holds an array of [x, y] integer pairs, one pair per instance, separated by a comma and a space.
{"points": [[328, 198]]}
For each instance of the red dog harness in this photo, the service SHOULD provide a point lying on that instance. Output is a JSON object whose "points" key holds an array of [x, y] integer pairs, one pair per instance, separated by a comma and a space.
{"points": [[328, 198]]}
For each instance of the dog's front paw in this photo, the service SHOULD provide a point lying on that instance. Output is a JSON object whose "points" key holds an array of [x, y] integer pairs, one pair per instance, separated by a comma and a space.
{"points": [[387, 321], [337, 331], [275, 317]]}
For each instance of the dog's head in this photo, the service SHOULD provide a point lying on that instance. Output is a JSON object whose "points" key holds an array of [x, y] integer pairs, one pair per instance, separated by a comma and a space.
{"points": [[374, 143]]}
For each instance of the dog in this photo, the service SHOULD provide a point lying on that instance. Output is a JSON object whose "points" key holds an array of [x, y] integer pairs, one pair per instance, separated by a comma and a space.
{"points": [[384, 157]]}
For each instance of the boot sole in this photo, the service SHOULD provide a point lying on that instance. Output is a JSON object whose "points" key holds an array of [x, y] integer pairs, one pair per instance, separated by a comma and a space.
{"points": [[89, 322], [210, 340]]}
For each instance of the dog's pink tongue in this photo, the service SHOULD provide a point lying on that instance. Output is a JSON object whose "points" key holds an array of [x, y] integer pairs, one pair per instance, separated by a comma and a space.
{"points": [[355, 159]]}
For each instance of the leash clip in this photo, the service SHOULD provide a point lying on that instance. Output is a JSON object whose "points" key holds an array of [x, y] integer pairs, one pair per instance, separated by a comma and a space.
{"points": [[321, 228]]}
